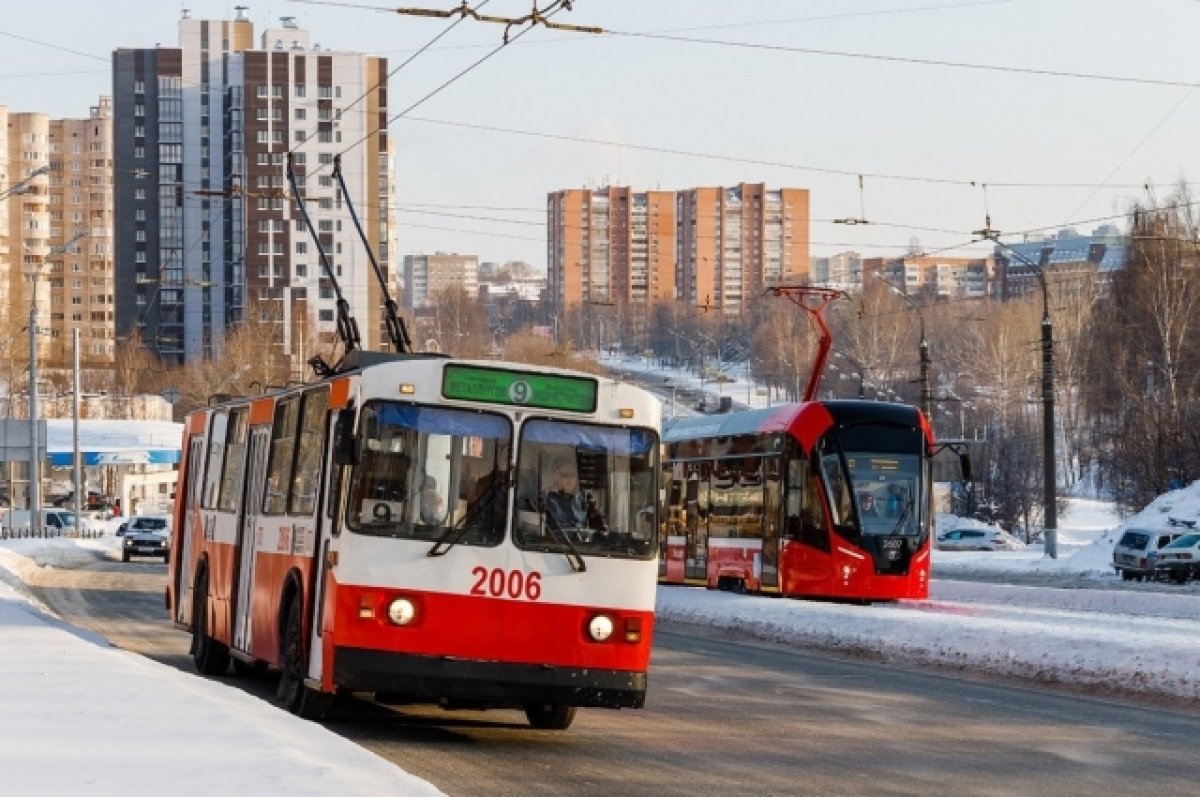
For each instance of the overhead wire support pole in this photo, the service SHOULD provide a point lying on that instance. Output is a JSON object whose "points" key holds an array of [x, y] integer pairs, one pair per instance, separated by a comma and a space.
{"points": [[922, 349], [346, 325], [397, 333], [1049, 469]]}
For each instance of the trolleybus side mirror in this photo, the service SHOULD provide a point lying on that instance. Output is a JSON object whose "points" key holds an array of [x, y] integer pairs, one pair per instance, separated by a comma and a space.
{"points": [[343, 447]]}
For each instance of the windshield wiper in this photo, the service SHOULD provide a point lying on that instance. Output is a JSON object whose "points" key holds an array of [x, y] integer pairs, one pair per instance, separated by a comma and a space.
{"points": [[572, 553], [453, 534], [908, 506]]}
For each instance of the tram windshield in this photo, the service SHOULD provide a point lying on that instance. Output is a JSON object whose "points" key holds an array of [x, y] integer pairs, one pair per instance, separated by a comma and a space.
{"points": [[880, 486], [586, 490], [430, 473]]}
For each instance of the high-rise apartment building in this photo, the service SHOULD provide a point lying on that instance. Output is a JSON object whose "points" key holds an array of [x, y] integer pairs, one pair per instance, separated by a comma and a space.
{"points": [[56, 228], [210, 235], [843, 270], [81, 223], [933, 276], [718, 247], [610, 245], [735, 242], [425, 276]]}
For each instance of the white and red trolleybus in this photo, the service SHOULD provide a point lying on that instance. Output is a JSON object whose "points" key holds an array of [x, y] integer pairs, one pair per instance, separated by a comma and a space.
{"points": [[822, 499], [387, 530]]}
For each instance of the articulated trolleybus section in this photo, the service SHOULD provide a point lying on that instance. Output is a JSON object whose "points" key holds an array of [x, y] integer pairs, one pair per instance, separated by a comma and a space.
{"points": [[472, 534], [824, 499]]}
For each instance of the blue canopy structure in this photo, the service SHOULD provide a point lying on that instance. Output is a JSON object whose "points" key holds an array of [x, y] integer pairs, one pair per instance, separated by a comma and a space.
{"points": [[114, 442]]}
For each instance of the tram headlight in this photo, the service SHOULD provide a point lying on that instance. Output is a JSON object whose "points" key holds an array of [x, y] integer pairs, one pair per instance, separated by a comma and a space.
{"points": [[600, 627], [401, 611]]}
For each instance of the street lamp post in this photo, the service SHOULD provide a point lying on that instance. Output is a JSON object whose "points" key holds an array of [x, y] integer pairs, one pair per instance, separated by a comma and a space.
{"points": [[23, 186], [1049, 475], [35, 461], [922, 349]]}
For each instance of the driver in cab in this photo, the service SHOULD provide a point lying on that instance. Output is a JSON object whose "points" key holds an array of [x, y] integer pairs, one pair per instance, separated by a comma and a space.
{"points": [[566, 506]]}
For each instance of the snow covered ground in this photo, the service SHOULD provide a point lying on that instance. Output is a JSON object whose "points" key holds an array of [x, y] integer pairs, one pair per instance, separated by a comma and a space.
{"points": [[1012, 613]]}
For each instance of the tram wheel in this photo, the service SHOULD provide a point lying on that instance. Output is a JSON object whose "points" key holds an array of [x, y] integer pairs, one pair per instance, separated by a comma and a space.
{"points": [[208, 655], [295, 696], [550, 716]]}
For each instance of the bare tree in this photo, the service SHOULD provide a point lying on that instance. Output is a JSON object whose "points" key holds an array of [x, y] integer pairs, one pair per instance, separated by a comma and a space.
{"points": [[1144, 368]]}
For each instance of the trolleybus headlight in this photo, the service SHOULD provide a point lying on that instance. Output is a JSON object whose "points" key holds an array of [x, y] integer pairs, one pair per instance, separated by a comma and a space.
{"points": [[600, 627], [401, 611]]}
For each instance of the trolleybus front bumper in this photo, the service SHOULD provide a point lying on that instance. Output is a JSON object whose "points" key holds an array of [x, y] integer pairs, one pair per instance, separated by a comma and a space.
{"points": [[449, 680]]}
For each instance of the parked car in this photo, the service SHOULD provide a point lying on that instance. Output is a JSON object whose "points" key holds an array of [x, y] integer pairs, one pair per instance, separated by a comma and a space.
{"points": [[1135, 553], [60, 522], [1180, 560], [146, 535], [978, 539]]}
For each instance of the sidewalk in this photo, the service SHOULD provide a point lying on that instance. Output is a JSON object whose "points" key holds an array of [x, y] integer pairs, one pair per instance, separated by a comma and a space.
{"points": [[78, 716]]}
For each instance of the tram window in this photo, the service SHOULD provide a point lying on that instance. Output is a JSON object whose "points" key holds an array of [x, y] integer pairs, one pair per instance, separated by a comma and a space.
{"points": [[804, 512]]}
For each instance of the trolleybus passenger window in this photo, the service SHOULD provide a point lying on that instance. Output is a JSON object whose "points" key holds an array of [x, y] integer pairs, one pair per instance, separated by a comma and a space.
{"points": [[218, 423], [235, 461], [306, 476], [283, 445]]}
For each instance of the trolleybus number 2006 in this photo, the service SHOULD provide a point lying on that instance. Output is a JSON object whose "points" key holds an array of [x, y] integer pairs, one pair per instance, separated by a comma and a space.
{"points": [[498, 582]]}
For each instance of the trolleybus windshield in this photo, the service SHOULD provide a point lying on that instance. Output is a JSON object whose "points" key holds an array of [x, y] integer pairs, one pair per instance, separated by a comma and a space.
{"points": [[586, 490], [422, 471]]}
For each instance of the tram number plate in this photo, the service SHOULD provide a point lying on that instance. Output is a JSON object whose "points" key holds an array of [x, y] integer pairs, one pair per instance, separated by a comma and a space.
{"points": [[892, 546], [497, 582]]}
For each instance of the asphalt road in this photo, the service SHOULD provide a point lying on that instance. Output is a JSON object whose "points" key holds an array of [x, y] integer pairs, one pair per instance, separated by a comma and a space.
{"points": [[726, 716]]}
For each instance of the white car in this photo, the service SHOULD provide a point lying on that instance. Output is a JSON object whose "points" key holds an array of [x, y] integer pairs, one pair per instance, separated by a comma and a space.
{"points": [[978, 539], [147, 535], [1180, 560]]}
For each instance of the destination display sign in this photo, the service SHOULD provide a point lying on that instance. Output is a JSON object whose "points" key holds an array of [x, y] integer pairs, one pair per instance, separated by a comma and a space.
{"points": [[519, 388]]}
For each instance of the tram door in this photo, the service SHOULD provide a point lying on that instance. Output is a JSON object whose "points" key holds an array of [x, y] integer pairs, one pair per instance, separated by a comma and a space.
{"points": [[247, 542], [772, 519], [698, 506]]}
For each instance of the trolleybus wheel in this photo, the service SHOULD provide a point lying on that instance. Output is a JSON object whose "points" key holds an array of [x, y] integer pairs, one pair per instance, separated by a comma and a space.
{"points": [[550, 716], [208, 655], [295, 696], [246, 669]]}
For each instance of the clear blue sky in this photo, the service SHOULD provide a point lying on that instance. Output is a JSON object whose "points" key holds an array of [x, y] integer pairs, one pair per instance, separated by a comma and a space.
{"points": [[798, 115]]}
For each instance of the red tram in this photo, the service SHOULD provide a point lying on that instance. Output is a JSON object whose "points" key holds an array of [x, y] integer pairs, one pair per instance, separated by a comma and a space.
{"points": [[823, 499]]}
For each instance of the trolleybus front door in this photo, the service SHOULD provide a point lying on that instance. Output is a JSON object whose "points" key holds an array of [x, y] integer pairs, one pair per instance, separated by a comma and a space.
{"points": [[191, 499], [260, 446]]}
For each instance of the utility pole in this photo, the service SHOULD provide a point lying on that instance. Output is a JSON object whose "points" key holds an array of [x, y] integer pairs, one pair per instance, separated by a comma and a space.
{"points": [[35, 461], [1049, 471], [77, 459], [922, 350]]}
